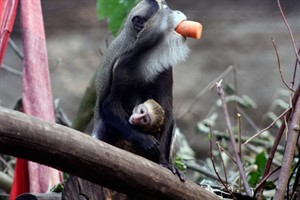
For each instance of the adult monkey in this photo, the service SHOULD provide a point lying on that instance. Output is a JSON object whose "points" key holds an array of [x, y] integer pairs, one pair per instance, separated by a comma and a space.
{"points": [[138, 66]]}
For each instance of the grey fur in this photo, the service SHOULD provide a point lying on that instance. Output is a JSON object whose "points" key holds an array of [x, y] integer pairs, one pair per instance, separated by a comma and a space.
{"points": [[171, 49]]}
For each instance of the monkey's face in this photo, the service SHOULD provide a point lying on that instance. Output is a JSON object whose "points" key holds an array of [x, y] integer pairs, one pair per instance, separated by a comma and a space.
{"points": [[154, 16], [141, 116], [148, 115], [152, 23]]}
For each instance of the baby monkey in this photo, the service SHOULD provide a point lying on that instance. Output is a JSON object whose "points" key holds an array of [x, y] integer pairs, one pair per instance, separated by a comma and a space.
{"points": [[149, 116]]}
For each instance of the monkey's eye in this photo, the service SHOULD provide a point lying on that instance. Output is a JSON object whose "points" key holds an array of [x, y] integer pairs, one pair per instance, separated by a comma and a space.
{"points": [[141, 111], [145, 120], [138, 22]]}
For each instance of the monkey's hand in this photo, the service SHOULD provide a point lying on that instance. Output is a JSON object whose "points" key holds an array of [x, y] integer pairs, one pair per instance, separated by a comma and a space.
{"points": [[146, 143], [175, 170]]}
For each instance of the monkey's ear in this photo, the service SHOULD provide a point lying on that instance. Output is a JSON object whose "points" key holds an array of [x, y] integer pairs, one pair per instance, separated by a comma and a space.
{"points": [[138, 23]]}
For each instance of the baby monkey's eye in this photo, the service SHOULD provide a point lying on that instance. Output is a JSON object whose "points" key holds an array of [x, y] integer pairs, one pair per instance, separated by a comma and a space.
{"points": [[141, 111], [145, 120]]}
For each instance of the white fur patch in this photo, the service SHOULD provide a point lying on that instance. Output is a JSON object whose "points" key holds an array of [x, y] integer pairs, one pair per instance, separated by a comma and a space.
{"points": [[159, 2], [168, 53]]}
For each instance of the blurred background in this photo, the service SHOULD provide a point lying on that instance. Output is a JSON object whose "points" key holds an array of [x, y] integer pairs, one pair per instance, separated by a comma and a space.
{"points": [[235, 33]]}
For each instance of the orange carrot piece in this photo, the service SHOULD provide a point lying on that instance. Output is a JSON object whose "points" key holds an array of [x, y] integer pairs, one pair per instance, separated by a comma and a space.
{"points": [[189, 29]]}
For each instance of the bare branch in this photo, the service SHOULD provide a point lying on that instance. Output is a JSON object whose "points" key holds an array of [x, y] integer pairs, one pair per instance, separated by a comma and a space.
{"points": [[214, 165], [14, 47], [83, 156], [236, 155], [259, 189], [198, 168], [268, 127], [295, 70], [296, 185], [222, 161], [289, 29], [279, 65], [228, 154], [255, 141], [11, 70], [5, 182], [204, 90], [248, 118], [292, 138], [266, 178], [239, 142]]}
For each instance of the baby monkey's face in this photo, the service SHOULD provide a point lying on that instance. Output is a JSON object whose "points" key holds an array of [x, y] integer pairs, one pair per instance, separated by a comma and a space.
{"points": [[148, 115]]}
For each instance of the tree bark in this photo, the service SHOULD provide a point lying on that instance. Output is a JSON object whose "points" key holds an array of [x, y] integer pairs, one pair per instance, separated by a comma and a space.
{"points": [[50, 196], [83, 156]]}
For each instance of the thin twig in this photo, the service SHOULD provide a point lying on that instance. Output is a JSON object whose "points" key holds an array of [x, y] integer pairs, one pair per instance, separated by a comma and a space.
{"points": [[266, 177], [62, 117], [289, 29], [293, 133], [227, 119], [248, 119], [14, 47], [259, 190], [296, 182], [196, 167], [239, 143], [57, 64], [228, 154], [294, 100], [295, 69], [214, 165], [239, 135], [292, 178], [268, 127], [279, 65], [294, 76], [256, 142], [9, 167], [11, 70], [204, 90], [212, 157], [222, 161]]}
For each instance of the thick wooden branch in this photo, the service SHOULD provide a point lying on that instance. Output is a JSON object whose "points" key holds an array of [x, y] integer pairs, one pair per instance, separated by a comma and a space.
{"points": [[49, 196], [81, 155]]}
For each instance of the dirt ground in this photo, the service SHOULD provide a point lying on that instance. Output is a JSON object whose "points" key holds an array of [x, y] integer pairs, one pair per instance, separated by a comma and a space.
{"points": [[235, 33]]}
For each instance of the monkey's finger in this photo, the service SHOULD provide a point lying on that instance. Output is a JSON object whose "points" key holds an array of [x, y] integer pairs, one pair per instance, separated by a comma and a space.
{"points": [[170, 167], [189, 29], [149, 144], [155, 148], [180, 174], [176, 171]]}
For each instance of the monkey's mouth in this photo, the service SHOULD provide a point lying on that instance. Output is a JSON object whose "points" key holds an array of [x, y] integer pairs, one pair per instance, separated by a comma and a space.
{"points": [[177, 33], [180, 35]]}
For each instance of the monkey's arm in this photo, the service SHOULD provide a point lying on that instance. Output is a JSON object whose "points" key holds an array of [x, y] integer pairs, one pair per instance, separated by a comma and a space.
{"points": [[145, 142], [116, 126], [165, 148], [163, 96], [169, 123]]}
